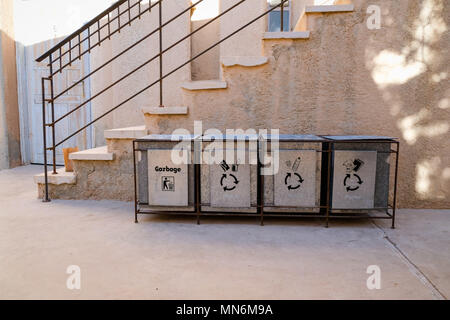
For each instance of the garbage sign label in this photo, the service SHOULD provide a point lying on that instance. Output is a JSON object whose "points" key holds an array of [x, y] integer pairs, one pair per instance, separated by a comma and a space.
{"points": [[167, 182]]}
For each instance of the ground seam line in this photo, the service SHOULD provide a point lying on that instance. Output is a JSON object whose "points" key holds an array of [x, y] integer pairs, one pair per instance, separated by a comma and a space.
{"points": [[437, 295]]}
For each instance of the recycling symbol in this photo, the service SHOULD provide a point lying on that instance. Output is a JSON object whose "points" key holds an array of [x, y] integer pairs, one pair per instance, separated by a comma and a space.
{"points": [[352, 180], [228, 181], [291, 182], [226, 186]]}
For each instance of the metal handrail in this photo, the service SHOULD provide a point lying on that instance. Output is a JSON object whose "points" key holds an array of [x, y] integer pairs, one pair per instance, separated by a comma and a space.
{"points": [[91, 23], [160, 55]]}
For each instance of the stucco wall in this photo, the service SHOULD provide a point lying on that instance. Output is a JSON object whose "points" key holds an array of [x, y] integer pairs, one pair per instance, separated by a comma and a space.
{"points": [[9, 110], [347, 79], [207, 66]]}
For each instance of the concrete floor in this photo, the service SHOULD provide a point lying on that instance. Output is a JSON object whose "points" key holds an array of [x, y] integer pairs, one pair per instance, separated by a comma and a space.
{"points": [[173, 258]]}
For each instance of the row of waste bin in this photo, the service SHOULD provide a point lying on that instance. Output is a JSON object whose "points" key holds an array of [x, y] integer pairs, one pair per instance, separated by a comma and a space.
{"points": [[251, 174]]}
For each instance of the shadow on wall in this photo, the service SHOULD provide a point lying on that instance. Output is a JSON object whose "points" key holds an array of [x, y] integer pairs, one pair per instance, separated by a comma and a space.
{"points": [[348, 79], [411, 73]]}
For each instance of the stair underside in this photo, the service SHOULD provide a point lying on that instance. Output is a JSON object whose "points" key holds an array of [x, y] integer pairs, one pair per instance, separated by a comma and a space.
{"points": [[330, 8], [165, 110], [204, 85], [244, 61], [286, 35], [126, 133]]}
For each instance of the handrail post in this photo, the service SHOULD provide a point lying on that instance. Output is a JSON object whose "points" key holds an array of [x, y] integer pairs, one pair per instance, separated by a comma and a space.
{"points": [[46, 197], [53, 114], [282, 16], [160, 57]]}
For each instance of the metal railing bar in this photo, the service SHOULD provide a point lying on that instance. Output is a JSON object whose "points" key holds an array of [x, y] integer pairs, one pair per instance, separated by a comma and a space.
{"points": [[171, 72], [83, 28], [160, 56], [60, 62], [129, 12], [70, 50], [127, 49], [88, 41], [53, 118], [107, 24], [44, 128], [98, 44], [98, 33], [118, 17], [79, 46]]}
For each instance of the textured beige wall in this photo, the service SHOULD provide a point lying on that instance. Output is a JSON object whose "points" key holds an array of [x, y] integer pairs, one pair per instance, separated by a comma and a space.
{"points": [[348, 79], [9, 109], [248, 41], [207, 66]]}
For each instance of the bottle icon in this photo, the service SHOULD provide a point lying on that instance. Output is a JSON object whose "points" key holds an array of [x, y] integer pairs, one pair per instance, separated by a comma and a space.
{"points": [[296, 164]]}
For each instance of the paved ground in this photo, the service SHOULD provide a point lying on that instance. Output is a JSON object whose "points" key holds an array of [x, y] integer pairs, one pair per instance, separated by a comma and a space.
{"points": [[170, 258]]}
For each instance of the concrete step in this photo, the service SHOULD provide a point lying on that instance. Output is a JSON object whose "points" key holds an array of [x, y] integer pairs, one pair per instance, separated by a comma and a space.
{"points": [[243, 61], [302, 24], [164, 110], [204, 85], [330, 8], [126, 133], [95, 154], [286, 35], [62, 177]]}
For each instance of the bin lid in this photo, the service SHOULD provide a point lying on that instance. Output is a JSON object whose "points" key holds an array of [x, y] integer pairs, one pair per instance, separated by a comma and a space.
{"points": [[293, 137], [359, 138], [230, 137], [168, 137]]}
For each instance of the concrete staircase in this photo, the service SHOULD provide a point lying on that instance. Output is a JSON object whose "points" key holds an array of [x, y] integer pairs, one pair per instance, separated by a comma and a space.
{"points": [[107, 172], [100, 173]]}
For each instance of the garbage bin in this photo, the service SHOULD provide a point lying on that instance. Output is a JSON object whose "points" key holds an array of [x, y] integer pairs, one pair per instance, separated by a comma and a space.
{"points": [[165, 173], [360, 177], [229, 173], [306, 175], [292, 173]]}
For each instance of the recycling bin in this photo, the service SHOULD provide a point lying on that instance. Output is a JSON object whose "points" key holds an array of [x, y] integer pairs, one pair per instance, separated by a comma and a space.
{"points": [[165, 173], [274, 175], [360, 173], [229, 174], [291, 173]]}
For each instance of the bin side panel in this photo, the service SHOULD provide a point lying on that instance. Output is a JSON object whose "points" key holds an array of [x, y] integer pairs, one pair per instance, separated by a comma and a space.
{"points": [[142, 178]]}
